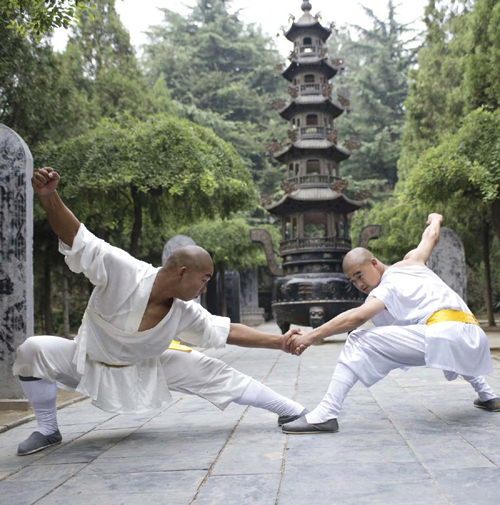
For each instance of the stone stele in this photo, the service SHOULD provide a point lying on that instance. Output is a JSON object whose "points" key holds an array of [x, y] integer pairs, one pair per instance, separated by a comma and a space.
{"points": [[16, 254], [174, 243], [448, 261]]}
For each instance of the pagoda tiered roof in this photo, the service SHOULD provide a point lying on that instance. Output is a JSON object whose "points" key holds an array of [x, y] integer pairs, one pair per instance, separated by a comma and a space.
{"points": [[313, 65], [320, 199], [312, 148], [303, 104], [307, 23]]}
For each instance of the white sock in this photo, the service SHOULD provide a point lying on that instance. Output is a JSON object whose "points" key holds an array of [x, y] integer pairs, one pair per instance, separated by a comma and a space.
{"points": [[481, 387], [42, 396], [342, 381], [258, 395]]}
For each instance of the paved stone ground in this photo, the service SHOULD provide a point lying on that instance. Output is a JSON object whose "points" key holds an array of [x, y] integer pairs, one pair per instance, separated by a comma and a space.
{"points": [[414, 438]]}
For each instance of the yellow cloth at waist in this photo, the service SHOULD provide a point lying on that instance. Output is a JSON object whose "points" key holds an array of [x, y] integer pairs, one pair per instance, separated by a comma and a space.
{"points": [[177, 346], [174, 346], [451, 315]]}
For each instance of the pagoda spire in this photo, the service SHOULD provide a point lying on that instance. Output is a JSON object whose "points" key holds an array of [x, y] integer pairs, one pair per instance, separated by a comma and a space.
{"points": [[306, 6]]}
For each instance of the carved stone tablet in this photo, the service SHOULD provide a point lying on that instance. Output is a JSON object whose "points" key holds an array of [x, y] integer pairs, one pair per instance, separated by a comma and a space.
{"points": [[448, 261], [16, 254], [174, 243]]}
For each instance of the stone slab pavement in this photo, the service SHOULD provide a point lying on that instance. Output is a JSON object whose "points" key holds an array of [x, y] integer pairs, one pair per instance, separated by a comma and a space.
{"points": [[413, 438]]}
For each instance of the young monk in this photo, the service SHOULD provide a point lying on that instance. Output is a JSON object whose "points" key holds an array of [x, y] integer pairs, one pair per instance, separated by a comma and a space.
{"points": [[420, 322], [122, 357]]}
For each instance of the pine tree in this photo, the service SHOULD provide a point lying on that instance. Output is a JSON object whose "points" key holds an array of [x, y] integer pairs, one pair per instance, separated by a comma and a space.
{"points": [[219, 70], [375, 83], [102, 63]]}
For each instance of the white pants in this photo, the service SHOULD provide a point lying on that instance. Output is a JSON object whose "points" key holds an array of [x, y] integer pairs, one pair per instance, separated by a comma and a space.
{"points": [[370, 354], [51, 358]]}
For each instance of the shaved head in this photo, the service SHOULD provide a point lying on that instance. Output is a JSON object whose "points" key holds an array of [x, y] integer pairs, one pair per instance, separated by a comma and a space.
{"points": [[192, 257], [356, 257]]}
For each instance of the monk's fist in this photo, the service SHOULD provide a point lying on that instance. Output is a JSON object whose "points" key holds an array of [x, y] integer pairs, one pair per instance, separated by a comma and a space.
{"points": [[434, 217], [45, 181]]}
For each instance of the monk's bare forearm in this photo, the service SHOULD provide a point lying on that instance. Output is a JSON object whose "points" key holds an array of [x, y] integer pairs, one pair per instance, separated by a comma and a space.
{"points": [[62, 221], [431, 233], [347, 321], [244, 336]]}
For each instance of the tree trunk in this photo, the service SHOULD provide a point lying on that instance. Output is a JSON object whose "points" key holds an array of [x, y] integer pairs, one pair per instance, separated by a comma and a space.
{"points": [[137, 226], [65, 294], [47, 294], [222, 276], [495, 217], [487, 275]]}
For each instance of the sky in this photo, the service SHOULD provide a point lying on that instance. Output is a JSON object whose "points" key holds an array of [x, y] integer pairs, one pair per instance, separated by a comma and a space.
{"points": [[138, 15]]}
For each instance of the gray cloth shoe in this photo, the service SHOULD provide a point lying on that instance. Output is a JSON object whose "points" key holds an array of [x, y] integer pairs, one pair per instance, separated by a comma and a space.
{"points": [[36, 442], [301, 426], [288, 419], [492, 405]]}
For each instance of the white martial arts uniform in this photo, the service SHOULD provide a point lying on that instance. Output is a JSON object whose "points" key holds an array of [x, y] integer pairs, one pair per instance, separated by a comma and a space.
{"points": [[402, 339], [142, 367]]}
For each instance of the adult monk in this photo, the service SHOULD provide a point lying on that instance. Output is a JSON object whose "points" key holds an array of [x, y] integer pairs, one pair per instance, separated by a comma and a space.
{"points": [[420, 322], [122, 357]]}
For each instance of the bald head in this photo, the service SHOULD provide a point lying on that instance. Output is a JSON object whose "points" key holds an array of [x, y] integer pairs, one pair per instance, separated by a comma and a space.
{"points": [[357, 257], [192, 257]]}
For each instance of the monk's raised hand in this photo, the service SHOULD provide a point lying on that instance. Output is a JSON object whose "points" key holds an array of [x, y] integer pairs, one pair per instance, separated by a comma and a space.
{"points": [[45, 181], [434, 217], [286, 338]]}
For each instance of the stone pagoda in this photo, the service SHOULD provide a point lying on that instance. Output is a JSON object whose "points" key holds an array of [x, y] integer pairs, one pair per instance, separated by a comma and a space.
{"points": [[310, 287]]}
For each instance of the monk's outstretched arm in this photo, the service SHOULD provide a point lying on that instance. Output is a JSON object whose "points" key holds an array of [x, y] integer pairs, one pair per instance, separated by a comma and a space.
{"points": [[62, 221], [430, 238], [244, 336], [348, 320]]}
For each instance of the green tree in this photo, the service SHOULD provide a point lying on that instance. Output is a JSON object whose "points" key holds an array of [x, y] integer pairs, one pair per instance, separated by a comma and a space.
{"points": [[374, 79], [228, 241], [482, 66], [36, 18], [166, 168], [214, 63], [37, 100], [103, 66], [463, 173], [456, 73]]}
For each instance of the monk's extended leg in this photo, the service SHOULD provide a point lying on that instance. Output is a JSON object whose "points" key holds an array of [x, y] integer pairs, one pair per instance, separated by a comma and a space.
{"points": [[212, 379], [40, 362]]}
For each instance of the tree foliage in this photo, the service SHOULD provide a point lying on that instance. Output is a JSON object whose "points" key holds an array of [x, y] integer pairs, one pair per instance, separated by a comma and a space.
{"points": [[443, 89], [374, 79], [36, 98], [168, 169], [457, 72], [104, 68], [228, 241], [36, 17], [464, 166], [214, 63]]}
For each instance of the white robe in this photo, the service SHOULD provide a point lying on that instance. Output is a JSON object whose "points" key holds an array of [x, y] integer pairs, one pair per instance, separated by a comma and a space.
{"points": [[411, 295], [109, 332]]}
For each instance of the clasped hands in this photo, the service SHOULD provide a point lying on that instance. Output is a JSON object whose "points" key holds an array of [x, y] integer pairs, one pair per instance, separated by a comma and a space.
{"points": [[296, 342]]}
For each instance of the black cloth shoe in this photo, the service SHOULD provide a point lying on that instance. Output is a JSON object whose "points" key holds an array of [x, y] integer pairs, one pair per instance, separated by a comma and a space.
{"points": [[288, 419], [492, 405], [36, 442], [301, 426]]}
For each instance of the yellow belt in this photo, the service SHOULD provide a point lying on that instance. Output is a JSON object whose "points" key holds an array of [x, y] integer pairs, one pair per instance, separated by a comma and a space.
{"points": [[451, 315], [174, 346], [177, 346]]}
